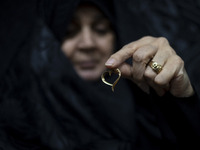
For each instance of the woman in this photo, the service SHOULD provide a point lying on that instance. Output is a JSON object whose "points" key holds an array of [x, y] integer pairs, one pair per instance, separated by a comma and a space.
{"points": [[89, 42], [65, 105]]}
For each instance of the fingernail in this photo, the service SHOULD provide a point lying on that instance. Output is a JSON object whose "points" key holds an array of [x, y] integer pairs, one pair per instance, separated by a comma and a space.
{"points": [[110, 62]]}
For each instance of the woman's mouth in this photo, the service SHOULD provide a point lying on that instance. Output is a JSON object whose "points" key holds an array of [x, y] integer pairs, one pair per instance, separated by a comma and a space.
{"points": [[88, 64], [90, 69]]}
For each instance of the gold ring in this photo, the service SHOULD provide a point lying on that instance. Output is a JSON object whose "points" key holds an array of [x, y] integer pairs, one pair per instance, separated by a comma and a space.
{"points": [[157, 68]]}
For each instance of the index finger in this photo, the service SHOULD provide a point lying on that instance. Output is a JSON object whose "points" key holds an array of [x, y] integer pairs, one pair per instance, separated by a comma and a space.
{"points": [[126, 52]]}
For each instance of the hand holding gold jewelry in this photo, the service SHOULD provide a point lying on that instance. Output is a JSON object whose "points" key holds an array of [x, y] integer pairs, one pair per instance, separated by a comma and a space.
{"points": [[154, 64]]}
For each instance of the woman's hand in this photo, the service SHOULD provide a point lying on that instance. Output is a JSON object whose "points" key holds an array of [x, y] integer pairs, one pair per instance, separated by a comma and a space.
{"points": [[172, 77]]}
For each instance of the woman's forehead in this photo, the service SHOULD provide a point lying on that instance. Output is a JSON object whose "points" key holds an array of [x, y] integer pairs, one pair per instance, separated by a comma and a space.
{"points": [[85, 10]]}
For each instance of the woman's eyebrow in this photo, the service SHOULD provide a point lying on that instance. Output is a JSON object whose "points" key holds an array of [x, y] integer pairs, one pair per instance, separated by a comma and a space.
{"points": [[99, 17]]}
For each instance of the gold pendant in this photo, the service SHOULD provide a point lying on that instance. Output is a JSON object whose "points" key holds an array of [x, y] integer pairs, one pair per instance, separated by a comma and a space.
{"points": [[109, 72]]}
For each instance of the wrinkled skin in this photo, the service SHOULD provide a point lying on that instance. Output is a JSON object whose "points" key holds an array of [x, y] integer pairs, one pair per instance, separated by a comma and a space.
{"points": [[172, 78]]}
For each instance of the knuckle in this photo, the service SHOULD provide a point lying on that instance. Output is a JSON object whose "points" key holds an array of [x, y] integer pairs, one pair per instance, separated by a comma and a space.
{"points": [[137, 56], [131, 45], [141, 55], [162, 40], [180, 77], [125, 46], [178, 60], [161, 83], [147, 37], [168, 51], [171, 51]]}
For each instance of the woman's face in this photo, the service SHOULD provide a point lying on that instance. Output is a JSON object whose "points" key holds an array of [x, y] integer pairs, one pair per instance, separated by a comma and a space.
{"points": [[89, 42]]}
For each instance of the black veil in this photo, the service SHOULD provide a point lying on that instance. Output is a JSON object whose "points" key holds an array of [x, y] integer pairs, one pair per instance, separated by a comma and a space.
{"points": [[43, 102]]}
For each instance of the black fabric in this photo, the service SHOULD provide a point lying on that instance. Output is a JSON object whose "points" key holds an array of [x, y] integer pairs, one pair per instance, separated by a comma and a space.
{"points": [[17, 20], [45, 105]]}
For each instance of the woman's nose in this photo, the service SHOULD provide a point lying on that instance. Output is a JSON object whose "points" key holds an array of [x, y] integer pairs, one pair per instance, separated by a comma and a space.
{"points": [[87, 39]]}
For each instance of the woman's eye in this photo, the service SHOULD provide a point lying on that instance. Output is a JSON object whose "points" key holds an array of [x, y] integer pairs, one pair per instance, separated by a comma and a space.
{"points": [[101, 31]]}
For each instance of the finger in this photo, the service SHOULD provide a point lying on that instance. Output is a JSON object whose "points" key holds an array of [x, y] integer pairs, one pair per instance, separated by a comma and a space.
{"points": [[171, 69], [156, 81], [141, 57], [126, 52], [150, 76], [160, 90], [181, 86], [161, 57], [161, 82], [127, 72], [173, 73]]}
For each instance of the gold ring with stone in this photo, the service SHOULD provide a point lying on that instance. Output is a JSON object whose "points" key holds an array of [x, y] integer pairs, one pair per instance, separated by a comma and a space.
{"points": [[157, 68]]}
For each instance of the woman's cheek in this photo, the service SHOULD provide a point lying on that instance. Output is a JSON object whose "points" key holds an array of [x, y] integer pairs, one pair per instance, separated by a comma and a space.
{"points": [[68, 48], [107, 45]]}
